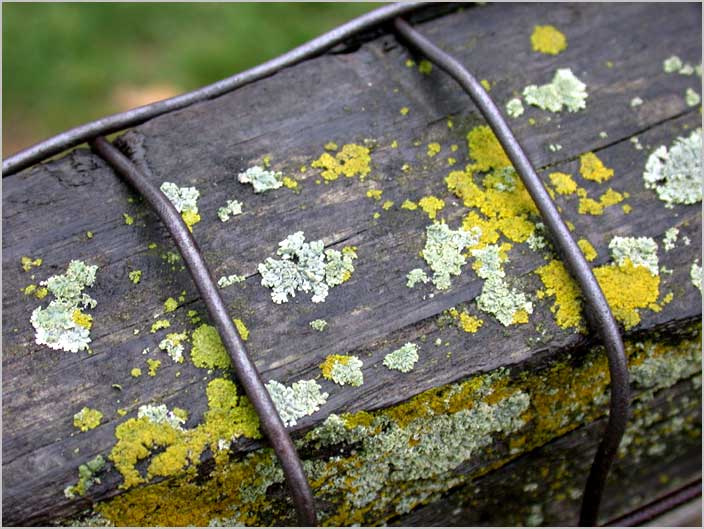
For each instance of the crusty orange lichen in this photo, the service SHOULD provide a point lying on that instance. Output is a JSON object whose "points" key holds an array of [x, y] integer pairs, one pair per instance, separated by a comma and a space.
{"points": [[466, 321], [431, 205], [592, 168], [587, 249], [628, 288], [563, 183], [548, 39], [351, 160], [82, 319], [374, 194], [558, 283], [589, 206]]}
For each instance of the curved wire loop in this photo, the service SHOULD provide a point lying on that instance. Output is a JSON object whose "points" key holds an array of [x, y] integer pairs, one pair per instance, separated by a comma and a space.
{"points": [[245, 369], [598, 311], [130, 118]]}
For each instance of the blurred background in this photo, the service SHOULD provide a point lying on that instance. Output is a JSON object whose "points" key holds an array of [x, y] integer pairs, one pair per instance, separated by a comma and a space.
{"points": [[67, 63]]}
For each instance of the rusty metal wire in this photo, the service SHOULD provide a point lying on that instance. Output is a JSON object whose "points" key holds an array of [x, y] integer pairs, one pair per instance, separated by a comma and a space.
{"points": [[598, 311], [245, 369], [116, 122]]}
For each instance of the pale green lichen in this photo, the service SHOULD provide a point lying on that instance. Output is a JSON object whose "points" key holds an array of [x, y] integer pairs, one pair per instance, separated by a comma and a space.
{"points": [[226, 281], [676, 174], [299, 400], [160, 414], [417, 275], [642, 251], [233, 208], [318, 325], [695, 274], [514, 108], [62, 325], [444, 251], [261, 179], [343, 369], [565, 90], [173, 345], [670, 238], [692, 98], [506, 304], [305, 266], [87, 419], [87, 477], [636, 102], [672, 64], [402, 359], [135, 276], [184, 200]]}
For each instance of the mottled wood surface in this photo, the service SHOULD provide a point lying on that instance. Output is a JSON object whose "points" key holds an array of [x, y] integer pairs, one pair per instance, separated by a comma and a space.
{"points": [[343, 98]]}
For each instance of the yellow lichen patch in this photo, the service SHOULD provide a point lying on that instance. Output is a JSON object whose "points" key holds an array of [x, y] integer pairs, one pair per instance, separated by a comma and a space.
{"points": [[208, 350], [558, 283], [129, 220], [485, 84], [628, 288], [82, 319], [29, 290], [387, 205], [374, 194], [242, 329], [592, 168], [490, 233], [87, 419], [289, 182], [521, 316], [409, 205], [228, 416], [160, 324], [121, 412], [548, 39], [136, 372], [330, 146], [486, 150], [404, 111], [433, 149], [153, 366], [466, 321], [425, 66], [587, 249], [170, 305], [563, 183], [451, 161], [394, 144], [191, 218], [28, 263], [351, 160], [626, 208], [431, 205]]}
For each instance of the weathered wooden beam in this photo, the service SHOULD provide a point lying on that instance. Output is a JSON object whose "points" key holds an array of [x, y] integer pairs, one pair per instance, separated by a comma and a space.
{"points": [[353, 98]]}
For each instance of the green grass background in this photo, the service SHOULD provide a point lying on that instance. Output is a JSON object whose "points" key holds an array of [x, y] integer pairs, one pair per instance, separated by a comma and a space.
{"points": [[62, 63]]}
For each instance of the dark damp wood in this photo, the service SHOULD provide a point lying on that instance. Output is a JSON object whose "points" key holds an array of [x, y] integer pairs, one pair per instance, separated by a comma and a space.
{"points": [[345, 98]]}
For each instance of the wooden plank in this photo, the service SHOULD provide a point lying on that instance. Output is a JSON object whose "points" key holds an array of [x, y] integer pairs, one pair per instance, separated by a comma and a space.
{"points": [[345, 98]]}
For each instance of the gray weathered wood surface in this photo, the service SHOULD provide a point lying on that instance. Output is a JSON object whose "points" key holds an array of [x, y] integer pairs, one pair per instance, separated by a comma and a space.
{"points": [[344, 98]]}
